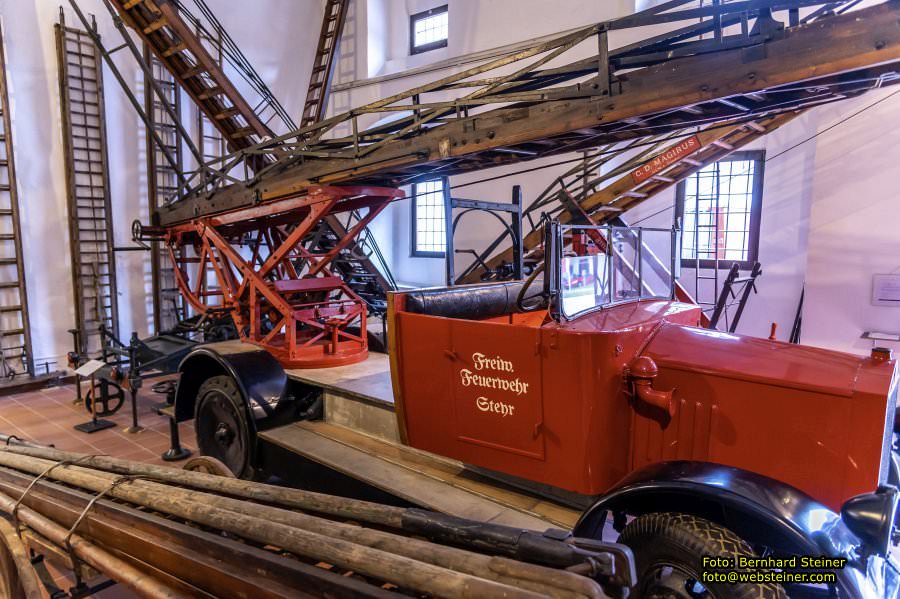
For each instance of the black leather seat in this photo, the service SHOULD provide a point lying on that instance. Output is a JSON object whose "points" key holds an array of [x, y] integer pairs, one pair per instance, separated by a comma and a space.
{"points": [[470, 302]]}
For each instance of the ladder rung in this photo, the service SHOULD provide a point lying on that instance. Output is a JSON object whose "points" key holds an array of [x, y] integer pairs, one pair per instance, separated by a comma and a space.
{"points": [[193, 72], [226, 114], [176, 49], [243, 132], [155, 25], [211, 93]]}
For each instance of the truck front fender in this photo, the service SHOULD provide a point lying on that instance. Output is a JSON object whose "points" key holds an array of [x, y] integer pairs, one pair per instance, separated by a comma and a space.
{"points": [[260, 378], [758, 509]]}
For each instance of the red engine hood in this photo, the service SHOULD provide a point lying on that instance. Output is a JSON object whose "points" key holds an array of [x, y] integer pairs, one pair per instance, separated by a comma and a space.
{"points": [[764, 361], [816, 419]]}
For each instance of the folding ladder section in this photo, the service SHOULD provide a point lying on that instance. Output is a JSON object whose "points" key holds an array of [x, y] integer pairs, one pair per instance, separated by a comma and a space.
{"points": [[15, 334], [195, 58], [168, 305], [173, 42], [324, 62], [87, 177]]}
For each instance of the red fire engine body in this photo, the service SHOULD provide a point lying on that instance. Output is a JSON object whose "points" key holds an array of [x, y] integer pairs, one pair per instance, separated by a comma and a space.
{"points": [[561, 402]]}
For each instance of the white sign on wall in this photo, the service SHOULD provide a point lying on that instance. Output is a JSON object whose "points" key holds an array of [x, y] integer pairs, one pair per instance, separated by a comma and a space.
{"points": [[886, 290]]}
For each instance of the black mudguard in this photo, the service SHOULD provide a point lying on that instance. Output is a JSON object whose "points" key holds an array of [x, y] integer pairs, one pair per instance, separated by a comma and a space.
{"points": [[753, 506], [761, 510], [259, 376]]}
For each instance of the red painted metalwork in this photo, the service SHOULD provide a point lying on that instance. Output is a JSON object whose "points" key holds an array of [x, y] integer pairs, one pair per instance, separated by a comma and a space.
{"points": [[252, 264], [580, 404]]}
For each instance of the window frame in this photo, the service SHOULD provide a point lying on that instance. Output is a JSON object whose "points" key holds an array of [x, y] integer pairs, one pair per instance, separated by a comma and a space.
{"points": [[759, 157], [414, 250], [413, 49]]}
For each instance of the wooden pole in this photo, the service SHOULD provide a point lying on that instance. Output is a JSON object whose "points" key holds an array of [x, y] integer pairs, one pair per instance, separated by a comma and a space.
{"points": [[204, 509], [120, 571]]}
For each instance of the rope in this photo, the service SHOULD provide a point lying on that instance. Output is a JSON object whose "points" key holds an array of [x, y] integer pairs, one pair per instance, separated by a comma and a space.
{"points": [[15, 511], [128, 478]]}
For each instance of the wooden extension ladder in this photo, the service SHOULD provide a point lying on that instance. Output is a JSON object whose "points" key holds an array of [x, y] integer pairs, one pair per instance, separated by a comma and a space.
{"points": [[171, 40], [87, 178], [628, 191], [324, 62], [15, 334], [159, 23]]}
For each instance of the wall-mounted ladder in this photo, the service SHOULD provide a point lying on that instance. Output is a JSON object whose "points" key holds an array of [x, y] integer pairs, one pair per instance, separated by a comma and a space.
{"points": [[324, 62], [87, 178], [168, 305], [15, 333]]}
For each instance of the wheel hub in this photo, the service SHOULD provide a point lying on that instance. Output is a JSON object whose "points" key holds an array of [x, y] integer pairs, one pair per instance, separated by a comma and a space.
{"points": [[669, 582], [224, 434], [221, 433]]}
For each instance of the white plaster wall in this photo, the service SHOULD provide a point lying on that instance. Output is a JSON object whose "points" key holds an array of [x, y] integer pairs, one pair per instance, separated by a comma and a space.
{"points": [[34, 91], [853, 223], [828, 220]]}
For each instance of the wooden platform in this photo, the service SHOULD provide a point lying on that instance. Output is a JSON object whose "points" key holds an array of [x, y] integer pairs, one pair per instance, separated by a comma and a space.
{"points": [[421, 478], [368, 381]]}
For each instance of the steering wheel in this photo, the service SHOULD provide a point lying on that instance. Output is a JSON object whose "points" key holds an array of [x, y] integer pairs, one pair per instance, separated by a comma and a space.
{"points": [[535, 301]]}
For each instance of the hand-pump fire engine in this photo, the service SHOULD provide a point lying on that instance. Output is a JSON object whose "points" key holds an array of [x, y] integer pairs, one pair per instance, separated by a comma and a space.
{"points": [[588, 379]]}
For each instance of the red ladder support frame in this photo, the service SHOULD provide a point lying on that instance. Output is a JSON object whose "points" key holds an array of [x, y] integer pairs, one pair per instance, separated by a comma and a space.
{"points": [[282, 297]]}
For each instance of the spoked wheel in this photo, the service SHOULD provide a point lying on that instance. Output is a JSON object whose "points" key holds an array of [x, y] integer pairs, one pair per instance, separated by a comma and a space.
{"points": [[669, 548], [221, 424], [208, 465], [106, 397]]}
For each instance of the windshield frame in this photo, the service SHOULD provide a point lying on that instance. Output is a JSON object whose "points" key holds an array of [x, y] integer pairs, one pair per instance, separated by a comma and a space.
{"points": [[553, 258]]}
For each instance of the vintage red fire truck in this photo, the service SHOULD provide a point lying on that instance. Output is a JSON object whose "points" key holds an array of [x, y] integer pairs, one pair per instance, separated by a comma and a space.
{"points": [[589, 380]]}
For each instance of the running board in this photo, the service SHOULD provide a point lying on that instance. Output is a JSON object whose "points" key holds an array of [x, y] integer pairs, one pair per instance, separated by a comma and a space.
{"points": [[424, 479]]}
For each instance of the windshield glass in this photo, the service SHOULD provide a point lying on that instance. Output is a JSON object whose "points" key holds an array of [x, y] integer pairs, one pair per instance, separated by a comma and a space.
{"points": [[601, 266]]}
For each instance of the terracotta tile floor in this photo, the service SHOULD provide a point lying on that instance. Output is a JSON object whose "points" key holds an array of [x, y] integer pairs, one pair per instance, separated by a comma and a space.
{"points": [[48, 416]]}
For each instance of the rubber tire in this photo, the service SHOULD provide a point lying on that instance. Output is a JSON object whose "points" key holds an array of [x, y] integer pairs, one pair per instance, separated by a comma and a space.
{"points": [[682, 539], [226, 386]]}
